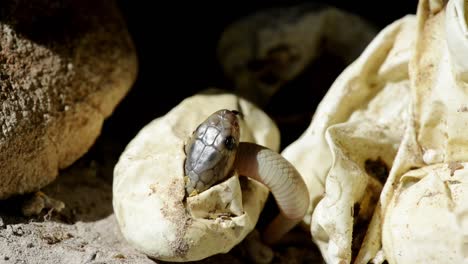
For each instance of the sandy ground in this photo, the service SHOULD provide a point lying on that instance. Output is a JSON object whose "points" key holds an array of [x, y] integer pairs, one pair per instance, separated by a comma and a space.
{"points": [[86, 231]]}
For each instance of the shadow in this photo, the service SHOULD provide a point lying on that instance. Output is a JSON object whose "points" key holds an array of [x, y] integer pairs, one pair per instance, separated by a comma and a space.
{"points": [[61, 25], [10, 211], [293, 106], [85, 188], [86, 197], [177, 58]]}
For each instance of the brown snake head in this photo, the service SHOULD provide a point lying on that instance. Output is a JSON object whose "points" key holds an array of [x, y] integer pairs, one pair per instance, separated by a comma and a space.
{"points": [[211, 151]]}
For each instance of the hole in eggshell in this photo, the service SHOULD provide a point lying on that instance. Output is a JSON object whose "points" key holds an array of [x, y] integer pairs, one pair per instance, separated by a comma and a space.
{"points": [[377, 168]]}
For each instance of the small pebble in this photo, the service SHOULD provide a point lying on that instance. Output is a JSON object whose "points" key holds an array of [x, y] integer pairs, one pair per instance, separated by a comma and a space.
{"points": [[18, 231]]}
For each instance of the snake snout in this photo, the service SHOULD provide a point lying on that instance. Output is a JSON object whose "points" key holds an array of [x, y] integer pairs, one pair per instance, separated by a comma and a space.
{"points": [[230, 116]]}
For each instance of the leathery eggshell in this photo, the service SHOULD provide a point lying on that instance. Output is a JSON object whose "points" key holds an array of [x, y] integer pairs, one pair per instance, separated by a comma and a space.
{"points": [[424, 211], [149, 197], [427, 218], [346, 152]]}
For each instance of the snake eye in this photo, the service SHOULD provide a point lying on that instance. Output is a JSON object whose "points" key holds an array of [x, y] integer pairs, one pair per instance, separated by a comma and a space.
{"points": [[230, 142]]}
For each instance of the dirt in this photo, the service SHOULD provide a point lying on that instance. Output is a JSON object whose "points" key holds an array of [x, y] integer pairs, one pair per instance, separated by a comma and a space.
{"points": [[86, 230], [454, 166]]}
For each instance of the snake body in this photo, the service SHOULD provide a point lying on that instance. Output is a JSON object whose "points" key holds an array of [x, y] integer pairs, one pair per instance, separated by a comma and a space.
{"points": [[214, 150]]}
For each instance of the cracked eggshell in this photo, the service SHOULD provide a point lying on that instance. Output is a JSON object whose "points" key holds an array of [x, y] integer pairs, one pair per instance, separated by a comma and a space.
{"points": [[436, 136], [439, 88], [148, 186], [374, 89], [361, 120], [427, 218]]}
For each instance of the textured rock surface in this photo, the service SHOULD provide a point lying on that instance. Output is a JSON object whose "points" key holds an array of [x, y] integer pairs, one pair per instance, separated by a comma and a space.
{"points": [[64, 66]]}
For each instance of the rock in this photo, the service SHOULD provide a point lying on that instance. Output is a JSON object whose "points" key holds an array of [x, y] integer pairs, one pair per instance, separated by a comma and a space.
{"points": [[148, 189], [39, 202], [64, 66]]}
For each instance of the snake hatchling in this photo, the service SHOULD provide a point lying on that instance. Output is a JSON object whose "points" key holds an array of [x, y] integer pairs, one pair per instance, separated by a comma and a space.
{"points": [[214, 150]]}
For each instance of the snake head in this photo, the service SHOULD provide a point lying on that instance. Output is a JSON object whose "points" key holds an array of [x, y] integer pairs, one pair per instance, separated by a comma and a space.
{"points": [[211, 151]]}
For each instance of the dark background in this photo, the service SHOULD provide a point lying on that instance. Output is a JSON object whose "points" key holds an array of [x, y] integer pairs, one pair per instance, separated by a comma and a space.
{"points": [[176, 44]]}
